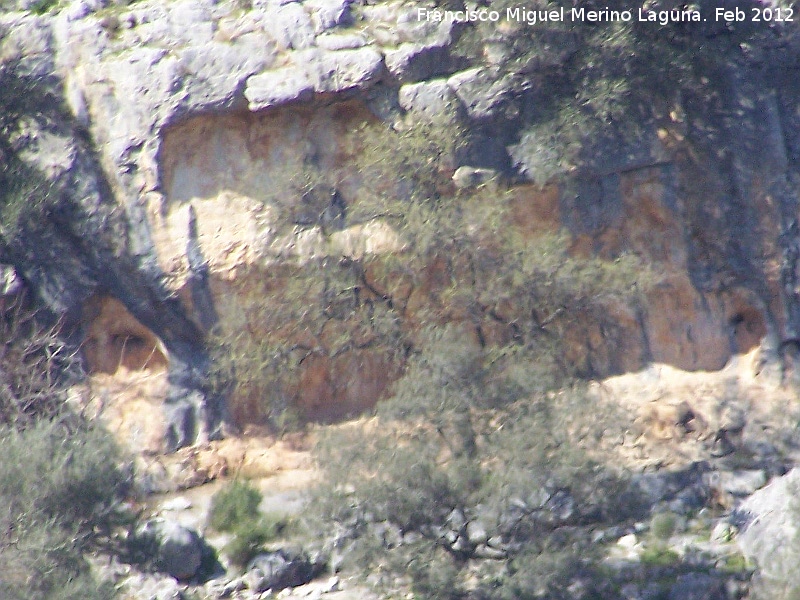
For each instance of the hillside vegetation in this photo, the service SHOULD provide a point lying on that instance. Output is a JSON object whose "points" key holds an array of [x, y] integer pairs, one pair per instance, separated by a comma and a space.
{"points": [[484, 465]]}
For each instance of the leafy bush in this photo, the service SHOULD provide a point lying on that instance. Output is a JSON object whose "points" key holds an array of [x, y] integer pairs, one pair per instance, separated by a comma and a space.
{"points": [[248, 541], [496, 437], [660, 556], [463, 262], [435, 464], [328, 306], [235, 509], [251, 537], [534, 575], [404, 166], [41, 7], [25, 99], [605, 85], [434, 576], [736, 563], [662, 525], [60, 489], [281, 322], [57, 471], [61, 479], [233, 505]]}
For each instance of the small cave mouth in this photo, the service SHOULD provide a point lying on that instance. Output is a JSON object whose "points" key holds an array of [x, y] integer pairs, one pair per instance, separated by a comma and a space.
{"points": [[747, 328], [115, 339]]}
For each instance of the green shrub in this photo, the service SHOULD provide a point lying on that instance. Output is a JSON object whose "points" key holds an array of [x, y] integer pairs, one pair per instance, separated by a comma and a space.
{"points": [[736, 563], [233, 505], [61, 480], [60, 489], [662, 525], [270, 329], [41, 7], [434, 576], [235, 509], [247, 542], [251, 537], [68, 472], [534, 575], [415, 469], [404, 166], [659, 556], [24, 99]]}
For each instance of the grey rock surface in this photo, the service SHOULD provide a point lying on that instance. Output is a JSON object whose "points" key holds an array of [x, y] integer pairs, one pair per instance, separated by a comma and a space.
{"points": [[698, 586], [176, 550], [290, 25], [279, 570], [417, 62], [430, 99], [467, 177], [327, 14], [768, 522], [152, 587], [315, 71], [483, 92]]}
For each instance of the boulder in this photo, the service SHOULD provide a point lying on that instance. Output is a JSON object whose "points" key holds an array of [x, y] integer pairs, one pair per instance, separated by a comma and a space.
{"points": [[698, 586], [145, 586], [468, 177], [278, 86], [739, 483], [417, 62], [172, 548], [224, 588], [481, 91], [289, 25], [429, 99], [687, 486], [768, 526], [279, 570], [341, 41], [327, 14]]}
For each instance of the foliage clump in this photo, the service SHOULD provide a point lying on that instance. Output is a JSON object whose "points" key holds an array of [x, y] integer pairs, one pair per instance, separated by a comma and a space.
{"points": [[233, 504], [323, 307], [62, 478], [604, 88], [457, 473], [25, 103], [235, 509], [61, 492], [252, 537], [483, 454]]}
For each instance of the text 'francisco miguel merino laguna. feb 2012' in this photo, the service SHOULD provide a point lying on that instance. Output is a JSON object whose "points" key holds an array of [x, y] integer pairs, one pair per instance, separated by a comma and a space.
{"points": [[528, 16]]}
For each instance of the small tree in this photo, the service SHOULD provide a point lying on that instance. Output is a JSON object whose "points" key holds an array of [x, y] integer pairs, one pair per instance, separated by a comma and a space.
{"points": [[60, 489], [474, 438], [61, 479]]}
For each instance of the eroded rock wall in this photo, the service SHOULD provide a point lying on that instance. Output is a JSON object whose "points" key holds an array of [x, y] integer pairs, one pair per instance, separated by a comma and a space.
{"points": [[185, 116]]}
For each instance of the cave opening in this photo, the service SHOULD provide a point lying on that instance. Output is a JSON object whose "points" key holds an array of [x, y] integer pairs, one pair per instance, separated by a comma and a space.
{"points": [[115, 339]]}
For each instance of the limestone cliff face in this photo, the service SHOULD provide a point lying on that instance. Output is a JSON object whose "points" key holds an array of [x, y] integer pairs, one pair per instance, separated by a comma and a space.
{"points": [[183, 116]]}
